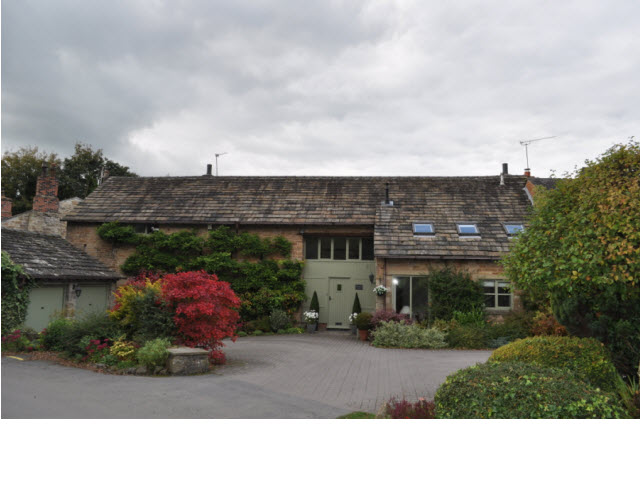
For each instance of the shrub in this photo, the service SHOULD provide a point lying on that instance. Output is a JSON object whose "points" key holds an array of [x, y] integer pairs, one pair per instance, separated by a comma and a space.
{"points": [[242, 334], [475, 316], [97, 351], [141, 310], [123, 350], [16, 341], [545, 323], [279, 320], [363, 321], [392, 334], [66, 335], [206, 309], [471, 337], [405, 409], [154, 353], [630, 395], [453, 291], [388, 316], [15, 294], [587, 358], [519, 390]]}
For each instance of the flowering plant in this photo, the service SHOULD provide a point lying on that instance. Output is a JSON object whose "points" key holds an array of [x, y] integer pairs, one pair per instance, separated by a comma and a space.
{"points": [[310, 316], [352, 317], [381, 290]]}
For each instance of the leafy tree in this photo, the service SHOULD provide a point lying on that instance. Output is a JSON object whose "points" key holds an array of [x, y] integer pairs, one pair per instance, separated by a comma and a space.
{"points": [[78, 175], [20, 170], [581, 251], [82, 171]]}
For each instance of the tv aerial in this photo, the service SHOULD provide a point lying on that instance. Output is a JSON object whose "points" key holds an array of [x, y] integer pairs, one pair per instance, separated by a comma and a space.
{"points": [[218, 155], [526, 144]]}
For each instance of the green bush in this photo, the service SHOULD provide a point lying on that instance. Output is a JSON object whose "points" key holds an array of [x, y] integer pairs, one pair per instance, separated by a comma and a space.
{"points": [[475, 316], [67, 335], [154, 353], [472, 337], [15, 294], [279, 320], [363, 321], [393, 334], [587, 358], [150, 318], [520, 390], [452, 291]]}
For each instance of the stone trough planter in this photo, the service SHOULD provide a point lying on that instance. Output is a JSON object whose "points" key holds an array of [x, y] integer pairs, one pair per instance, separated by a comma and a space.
{"points": [[187, 361]]}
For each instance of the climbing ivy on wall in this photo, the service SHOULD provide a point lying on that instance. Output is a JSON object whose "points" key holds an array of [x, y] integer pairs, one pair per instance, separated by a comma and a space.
{"points": [[242, 259], [15, 294]]}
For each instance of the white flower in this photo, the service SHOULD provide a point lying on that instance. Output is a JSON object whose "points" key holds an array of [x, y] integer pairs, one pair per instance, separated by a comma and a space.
{"points": [[310, 316], [381, 289], [352, 317]]}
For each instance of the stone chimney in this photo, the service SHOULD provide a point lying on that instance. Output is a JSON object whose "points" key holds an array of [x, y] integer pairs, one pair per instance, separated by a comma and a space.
{"points": [[46, 198], [6, 206]]}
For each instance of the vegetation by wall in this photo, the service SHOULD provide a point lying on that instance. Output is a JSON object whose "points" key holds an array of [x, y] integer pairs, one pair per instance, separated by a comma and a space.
{"points": [[15, 294]]}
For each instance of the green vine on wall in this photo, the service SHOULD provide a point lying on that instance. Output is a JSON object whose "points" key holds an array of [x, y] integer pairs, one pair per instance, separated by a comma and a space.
{"points": [[16, 286], [243, 259]]}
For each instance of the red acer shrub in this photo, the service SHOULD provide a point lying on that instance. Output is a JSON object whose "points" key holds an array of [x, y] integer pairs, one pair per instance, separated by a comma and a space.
{"points": [[205, 309]]}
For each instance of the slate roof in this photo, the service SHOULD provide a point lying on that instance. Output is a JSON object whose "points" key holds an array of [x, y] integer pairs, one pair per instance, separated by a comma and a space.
{"points": [[326, 201], [50, 257]]}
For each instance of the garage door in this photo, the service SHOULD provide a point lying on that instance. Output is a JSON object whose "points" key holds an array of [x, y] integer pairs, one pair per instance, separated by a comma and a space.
{"points": [[93, 298], [44, 302]]}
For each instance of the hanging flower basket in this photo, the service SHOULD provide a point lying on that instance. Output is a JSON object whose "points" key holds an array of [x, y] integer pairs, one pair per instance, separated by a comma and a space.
{"points": [[380, 290]]}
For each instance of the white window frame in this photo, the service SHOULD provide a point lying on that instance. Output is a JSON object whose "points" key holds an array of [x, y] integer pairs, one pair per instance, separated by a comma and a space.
{"points": [[507, 225], [495, 295], [469, 224]]}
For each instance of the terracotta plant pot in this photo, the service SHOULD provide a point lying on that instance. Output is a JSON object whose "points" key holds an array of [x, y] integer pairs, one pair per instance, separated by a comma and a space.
{"points": [[364, 334]]}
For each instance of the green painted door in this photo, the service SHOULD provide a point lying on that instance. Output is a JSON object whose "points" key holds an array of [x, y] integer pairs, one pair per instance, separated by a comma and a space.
{"points": [[93, 298], [341, 295], [44, 302]]}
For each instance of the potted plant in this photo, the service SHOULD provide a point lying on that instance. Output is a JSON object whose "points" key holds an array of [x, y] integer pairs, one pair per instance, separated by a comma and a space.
{"points": [[380, 290], [315, 306], [311, 318], [355, 310], [363, 322]]}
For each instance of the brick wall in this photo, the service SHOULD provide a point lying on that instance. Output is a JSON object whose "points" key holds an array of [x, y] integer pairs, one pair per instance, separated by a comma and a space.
{"points": [[6, 207], [46, 198]]}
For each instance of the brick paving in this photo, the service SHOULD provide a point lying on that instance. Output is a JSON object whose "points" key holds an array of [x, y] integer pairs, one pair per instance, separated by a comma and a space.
{"points": [[336, 369]]}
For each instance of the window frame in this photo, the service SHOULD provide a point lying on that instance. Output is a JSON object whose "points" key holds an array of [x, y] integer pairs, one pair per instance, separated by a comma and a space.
{"points": [[466, 234], [496, 294], [423, 234], [348, 241], [510, 224], [394, 285]]}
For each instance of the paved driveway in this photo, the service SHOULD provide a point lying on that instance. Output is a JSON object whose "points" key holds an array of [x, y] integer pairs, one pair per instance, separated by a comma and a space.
{"points": [[294, 376]]}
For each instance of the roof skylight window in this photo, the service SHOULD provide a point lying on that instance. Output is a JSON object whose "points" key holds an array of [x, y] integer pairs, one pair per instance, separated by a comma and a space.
{"points": [[468, 229], [513, 228], [423, 229]]}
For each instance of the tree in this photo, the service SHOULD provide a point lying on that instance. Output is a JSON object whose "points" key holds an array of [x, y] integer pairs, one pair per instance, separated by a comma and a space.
{"points": [[78, 175], [20, 170], [581, 252], [81, 172]]}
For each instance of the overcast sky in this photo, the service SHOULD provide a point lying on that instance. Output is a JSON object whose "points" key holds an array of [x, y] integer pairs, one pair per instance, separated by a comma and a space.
{"points": [[322, 88]]}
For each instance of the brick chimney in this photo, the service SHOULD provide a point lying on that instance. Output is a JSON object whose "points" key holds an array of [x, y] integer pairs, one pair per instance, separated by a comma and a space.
{"points": [[6, 206], [527, 172], [46, 199]]}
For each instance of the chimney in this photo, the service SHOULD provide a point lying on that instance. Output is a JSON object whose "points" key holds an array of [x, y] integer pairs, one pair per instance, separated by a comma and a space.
{"points": [[46, 198], [6, 207], [386, 195], [527, 172], [505, 169], [209, 169]]}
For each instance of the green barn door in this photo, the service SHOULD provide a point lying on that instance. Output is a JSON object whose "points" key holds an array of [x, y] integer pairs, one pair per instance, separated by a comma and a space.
{"points": [[43, 303], [341, 297], [93, 298]]}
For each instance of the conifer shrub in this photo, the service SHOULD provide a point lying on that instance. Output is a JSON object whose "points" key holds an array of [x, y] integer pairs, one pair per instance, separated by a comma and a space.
{"points": [[521, 390], [587, 358]]}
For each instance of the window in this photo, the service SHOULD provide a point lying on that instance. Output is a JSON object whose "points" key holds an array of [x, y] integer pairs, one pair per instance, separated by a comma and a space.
{"points": [[423, 229], [468, 229], [145, 227], [513, 228], [411, 296], [497, 294], [338, 248]]}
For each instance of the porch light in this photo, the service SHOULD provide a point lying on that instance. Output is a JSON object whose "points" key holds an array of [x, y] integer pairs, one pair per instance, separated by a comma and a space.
{"points": [[78, 292]]}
